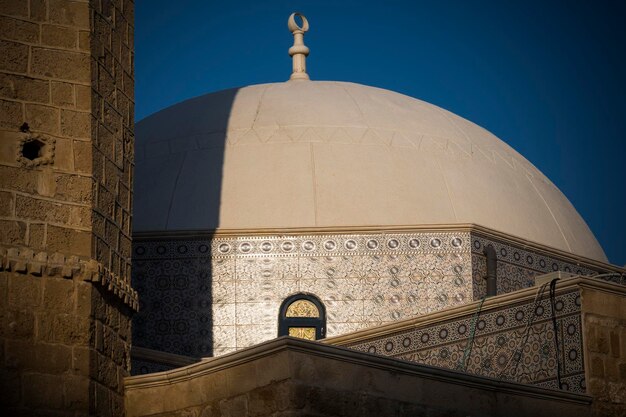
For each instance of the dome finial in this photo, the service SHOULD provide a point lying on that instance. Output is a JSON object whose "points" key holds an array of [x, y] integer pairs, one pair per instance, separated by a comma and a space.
{"points": [[299, 51]]}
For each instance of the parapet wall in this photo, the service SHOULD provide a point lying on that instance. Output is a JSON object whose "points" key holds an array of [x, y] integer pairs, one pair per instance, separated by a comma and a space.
{"points": [[291, 377]]}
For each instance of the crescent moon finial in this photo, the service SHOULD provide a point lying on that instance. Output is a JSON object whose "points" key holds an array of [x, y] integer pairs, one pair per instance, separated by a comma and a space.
{"points": [[299, 51], [293, 25]]}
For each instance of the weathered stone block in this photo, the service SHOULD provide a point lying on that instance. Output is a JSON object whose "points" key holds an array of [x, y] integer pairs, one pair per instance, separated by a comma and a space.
{"points": [[80, 216], [111, 235], [68, 12], [82, 156], [41, 357], [42, 118], [7, 204], [125, 246], [82, 360], [65, 65], [125, 59], [106, 141], [112, 119], [265, 401], [19, 354], [39, 10], [117, 405], [83, 97], [10, 386], [24, 88], [62, 94], [43, 210], [84, 40], [106, 202], [14, 56], [46, 185], [10, 113], [36, 235], [43, 391], [18, 30], [18, 324], [59, 36], [76, 124], [75, 188], [236, 406], [107, 372], [25, 292], [77, 392], [66, 240], [72, 330], [19, 179], [83, 299], [58, 295], [102, 401], [14, 8], [63, 154], [615, 345], [106, 85], [9, 143], [129, 85], [111, 175], [45, 327], [597, 366], [12, 232]]}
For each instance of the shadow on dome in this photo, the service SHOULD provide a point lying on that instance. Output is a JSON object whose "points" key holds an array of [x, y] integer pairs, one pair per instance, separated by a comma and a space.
{"points": [[182, 149]]}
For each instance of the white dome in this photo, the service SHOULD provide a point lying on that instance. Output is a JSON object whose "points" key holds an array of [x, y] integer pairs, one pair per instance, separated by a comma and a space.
{"points": [[332, 154]]}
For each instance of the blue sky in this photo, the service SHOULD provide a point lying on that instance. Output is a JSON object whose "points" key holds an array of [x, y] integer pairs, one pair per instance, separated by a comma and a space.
{"points": [[546, 77]]}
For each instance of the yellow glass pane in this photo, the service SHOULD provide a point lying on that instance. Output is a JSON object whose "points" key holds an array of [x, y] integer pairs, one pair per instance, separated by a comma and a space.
{"points": [[302, 332], [302, 308]]}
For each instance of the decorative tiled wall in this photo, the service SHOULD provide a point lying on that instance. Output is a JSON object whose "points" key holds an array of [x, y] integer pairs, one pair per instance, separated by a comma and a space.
{"points": [[202, 297], [516, 267], [515, 342], [207, 297]]}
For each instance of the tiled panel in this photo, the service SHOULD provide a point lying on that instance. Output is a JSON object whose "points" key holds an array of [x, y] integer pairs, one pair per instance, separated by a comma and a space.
{"points": [[209, 286], [514, 342], [516, 266]]}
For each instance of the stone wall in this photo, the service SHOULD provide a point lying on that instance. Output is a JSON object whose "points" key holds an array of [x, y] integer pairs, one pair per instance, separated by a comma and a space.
{"points": [[112, 119], [289, 377], [604, 324], [65, 337], [66, 114], [45, 84]]}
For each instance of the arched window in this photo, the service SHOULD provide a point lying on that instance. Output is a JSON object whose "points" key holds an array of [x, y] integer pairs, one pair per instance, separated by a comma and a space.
{"points": [[302, 316]]}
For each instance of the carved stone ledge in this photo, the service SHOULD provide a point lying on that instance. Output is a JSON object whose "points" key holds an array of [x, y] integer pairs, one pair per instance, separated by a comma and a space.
{"points": [[26, 261]]}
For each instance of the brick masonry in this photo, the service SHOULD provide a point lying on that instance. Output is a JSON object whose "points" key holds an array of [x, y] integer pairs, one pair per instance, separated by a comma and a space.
{"points": [[66, 166]]}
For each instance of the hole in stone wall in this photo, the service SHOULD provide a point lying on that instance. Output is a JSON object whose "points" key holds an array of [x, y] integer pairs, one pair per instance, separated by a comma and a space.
{"points": [[33, 149]]}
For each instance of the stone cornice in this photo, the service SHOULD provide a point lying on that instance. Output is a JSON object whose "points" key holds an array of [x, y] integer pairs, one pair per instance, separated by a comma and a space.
{"points": [[164, 358], [24, 260]]}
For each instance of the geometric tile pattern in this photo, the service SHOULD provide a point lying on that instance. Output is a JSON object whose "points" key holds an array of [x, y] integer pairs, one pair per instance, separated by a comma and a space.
{"points": [[516, 267], [207, 297], [515, 343], [203, 297]]}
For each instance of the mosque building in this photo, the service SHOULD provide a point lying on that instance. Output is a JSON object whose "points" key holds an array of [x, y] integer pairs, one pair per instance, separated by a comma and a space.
{"points": [[298, 248], [318, 209]]}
